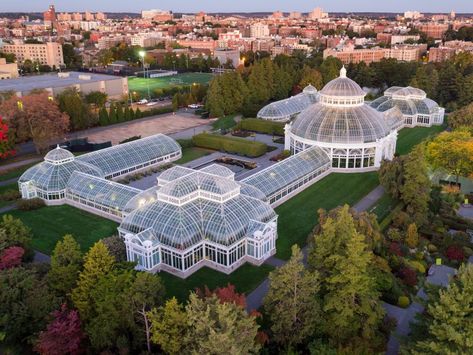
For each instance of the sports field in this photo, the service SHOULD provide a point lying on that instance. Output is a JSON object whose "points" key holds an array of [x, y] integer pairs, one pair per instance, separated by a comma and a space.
{"points": [[141, 84]]}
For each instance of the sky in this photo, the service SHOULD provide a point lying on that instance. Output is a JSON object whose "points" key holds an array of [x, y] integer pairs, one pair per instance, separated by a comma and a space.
{"points": [[239, 5]]}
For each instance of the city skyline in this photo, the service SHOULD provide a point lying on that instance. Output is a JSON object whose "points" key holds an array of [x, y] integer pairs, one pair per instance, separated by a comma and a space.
{"points": [[242, 6]]}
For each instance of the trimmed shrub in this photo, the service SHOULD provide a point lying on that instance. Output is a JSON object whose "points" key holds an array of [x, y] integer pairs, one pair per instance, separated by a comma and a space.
{"points": [[432, 248], [131, 139], [230, 145], [455, 252], [408, 276], [403, 302], [10, 195], [185, 143], [29, 205], [261, 126], [417, 266], [395, 248]]}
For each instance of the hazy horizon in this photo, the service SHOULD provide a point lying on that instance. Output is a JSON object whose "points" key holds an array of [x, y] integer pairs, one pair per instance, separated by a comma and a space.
{"points": [[398, 6]]}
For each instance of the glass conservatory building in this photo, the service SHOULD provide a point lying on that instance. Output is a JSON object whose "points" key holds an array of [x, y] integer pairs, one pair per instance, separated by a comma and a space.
{"points": [[196, 218], [355, 136], [285, 110], [416, 108], [50, 179]]}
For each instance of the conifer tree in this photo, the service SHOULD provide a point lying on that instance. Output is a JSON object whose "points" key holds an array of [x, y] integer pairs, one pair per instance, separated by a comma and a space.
{"points": [[350, 301], [97, 263], [169, 326], [291, 302], [449, 320], [103, 117], [412, 237], [66, 262]]}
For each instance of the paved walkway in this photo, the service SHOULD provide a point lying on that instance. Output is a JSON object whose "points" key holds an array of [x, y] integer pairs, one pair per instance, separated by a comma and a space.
{"points": [[41, 258], [466, 212], [369, 200], [254, 299], [18, 164]]}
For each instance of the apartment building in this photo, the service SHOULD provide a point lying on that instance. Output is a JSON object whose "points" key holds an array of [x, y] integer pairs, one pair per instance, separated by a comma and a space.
{"points": [[49, 53], [259, 30], [8, 70]]}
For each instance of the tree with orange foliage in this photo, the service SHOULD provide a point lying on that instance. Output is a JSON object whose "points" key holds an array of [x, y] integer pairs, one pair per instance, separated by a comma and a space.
{"points": [[452, 152], [36, 117]]}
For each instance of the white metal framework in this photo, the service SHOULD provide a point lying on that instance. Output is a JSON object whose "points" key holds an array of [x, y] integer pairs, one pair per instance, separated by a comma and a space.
{"points": [[354, 135], [198, 219], [49, 179], [416, 108], [285, 110]]}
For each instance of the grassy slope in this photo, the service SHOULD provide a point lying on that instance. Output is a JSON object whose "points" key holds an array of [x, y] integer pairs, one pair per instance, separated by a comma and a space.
{"points": [[409, 137], [50, 224], [298, 216]]}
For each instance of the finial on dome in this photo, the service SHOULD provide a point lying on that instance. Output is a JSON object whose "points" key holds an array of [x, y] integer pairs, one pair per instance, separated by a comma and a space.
{"points": [[343, 72]]}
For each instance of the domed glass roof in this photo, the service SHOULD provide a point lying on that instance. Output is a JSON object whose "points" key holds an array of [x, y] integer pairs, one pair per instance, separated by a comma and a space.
{"points": [[51, 176], [58, 156], [329, 124], [342, 87], [310, 90], [408, 106]]}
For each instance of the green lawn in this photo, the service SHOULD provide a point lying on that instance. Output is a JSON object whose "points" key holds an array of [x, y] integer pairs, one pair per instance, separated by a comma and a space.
{"points": [[141, 84], [246, 278], [192, 153], [383, 207], [298, 216], [409, 137], [50, 224]]}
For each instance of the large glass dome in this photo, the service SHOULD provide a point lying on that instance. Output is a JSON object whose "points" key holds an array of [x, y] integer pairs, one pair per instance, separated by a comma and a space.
{"points": [[341, 116], [359, 124], [342, 87]]}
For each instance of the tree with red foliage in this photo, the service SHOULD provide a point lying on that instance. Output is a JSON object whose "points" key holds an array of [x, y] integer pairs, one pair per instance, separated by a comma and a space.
{"points": [[63, 335], [6, 140], [11, 257], [408, 276], [395, 248], [35, 117], [226, 294], [454, 252]]}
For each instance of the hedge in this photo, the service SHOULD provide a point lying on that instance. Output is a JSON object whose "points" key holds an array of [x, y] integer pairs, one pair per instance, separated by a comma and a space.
{"points": [[230, 145], [261, 126]]}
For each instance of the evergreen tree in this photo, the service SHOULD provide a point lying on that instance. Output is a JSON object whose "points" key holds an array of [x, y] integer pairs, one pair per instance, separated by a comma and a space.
{"points": [[97, 263], [169, 326], [427, 79], [146, 292], [119, 112], [291, 301], [138, 113], [391, 176], [311, 77], [103, 117], [415, 191], [412, 237], [449, 323], [71, 102], [350, 301], [66, 262], [219, 328], [112, 114], [215, 103]]}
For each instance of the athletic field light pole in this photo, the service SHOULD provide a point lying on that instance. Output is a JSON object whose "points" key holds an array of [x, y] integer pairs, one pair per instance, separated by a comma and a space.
{"points": [[142, 55]]}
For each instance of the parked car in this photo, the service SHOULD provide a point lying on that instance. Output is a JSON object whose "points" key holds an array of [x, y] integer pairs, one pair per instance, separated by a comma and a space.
{"points": [[142, 102], [195, 106]]}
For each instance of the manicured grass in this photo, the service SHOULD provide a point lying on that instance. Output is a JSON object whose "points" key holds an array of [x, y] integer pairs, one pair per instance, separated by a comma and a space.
{"points": [[246, 278], [409, 137], [192, 153], [298, 216], [226, 122], [5, 188], [141, 84], [50, 224], [383, 207]]}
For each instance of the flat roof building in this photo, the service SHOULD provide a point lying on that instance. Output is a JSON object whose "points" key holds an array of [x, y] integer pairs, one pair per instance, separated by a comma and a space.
{"points": [[49, 53], [113, 86]]}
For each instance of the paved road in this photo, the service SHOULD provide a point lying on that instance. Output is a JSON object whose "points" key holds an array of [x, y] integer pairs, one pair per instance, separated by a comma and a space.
{"points": [[17, 164]]}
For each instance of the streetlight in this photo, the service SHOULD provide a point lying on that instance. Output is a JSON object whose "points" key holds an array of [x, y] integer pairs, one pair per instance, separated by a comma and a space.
{"points": [[142, 54]]}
